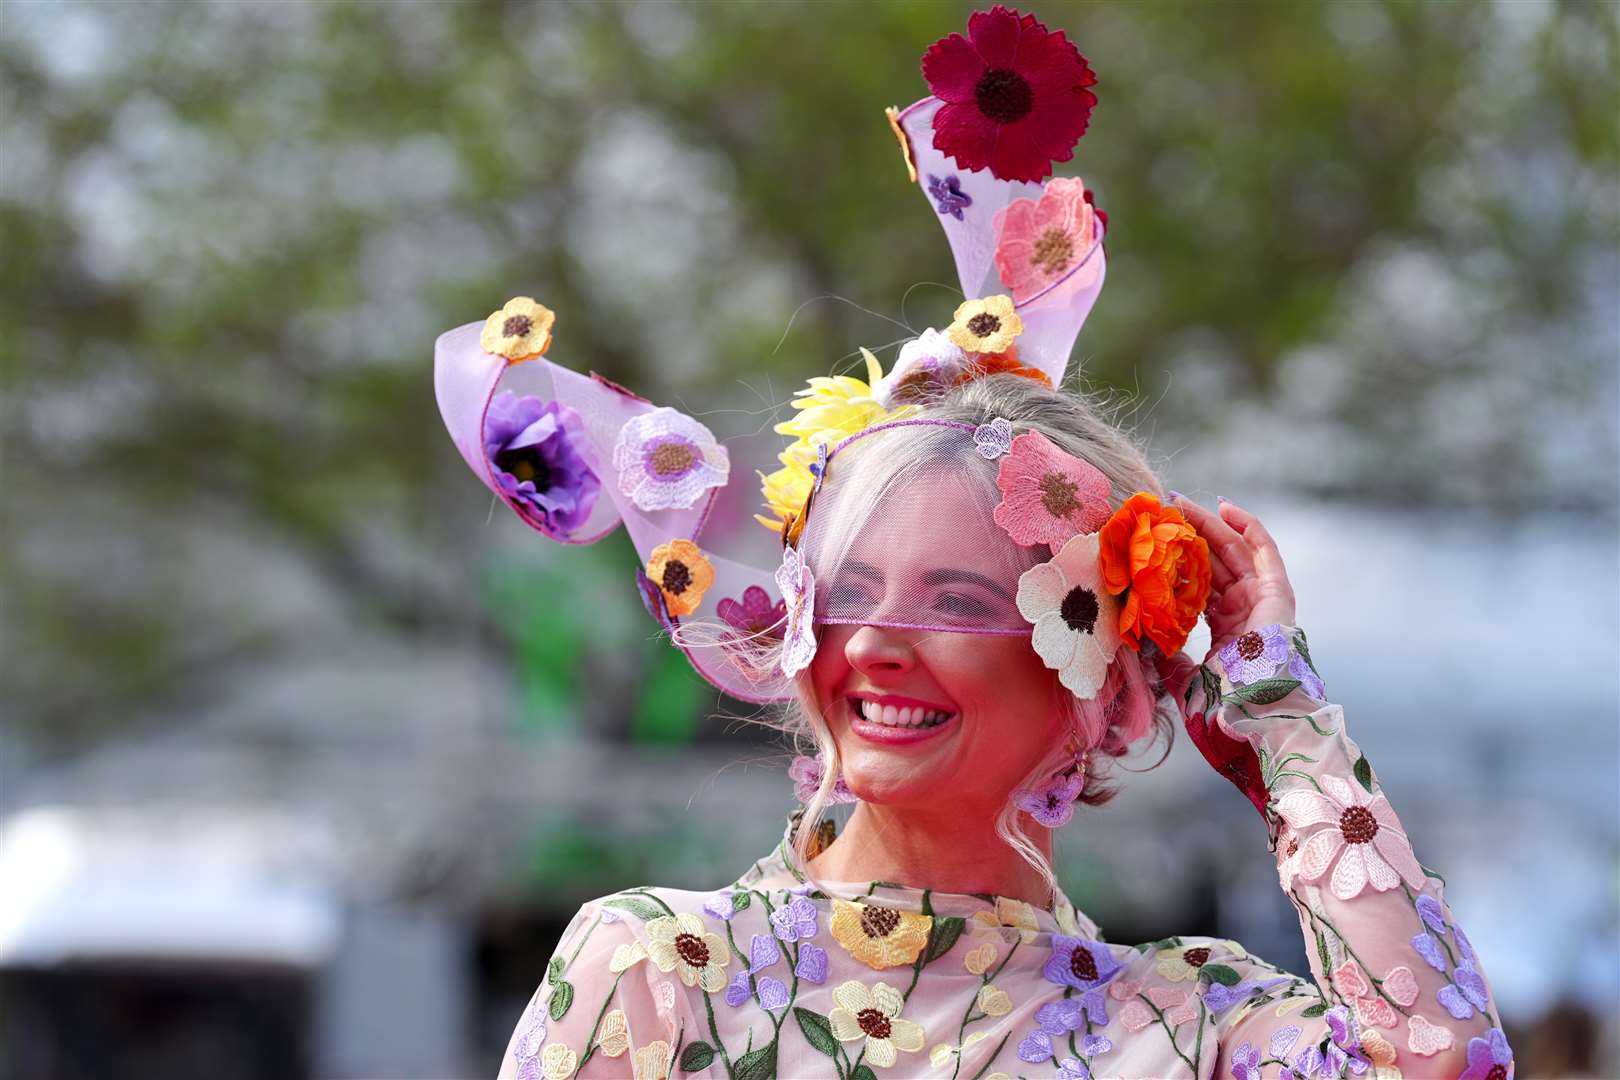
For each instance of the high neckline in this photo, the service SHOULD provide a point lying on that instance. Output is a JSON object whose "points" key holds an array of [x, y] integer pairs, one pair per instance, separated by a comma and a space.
{"points": [[781, 869]]}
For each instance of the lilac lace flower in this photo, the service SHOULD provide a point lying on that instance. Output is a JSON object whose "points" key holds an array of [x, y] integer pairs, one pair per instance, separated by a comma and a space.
{"points": [[805, 773], [1220, 997], [722, 905], [818, 467], [1072, 1068], [1246, 1062], [1465, 993], [795, 921], [668, 460], [1309, 681], [532, 446], [1254, 656], [1432, 914], [1282, 1041], [1051, 804], [526, 1051], [1082, 964], [947, 193], [812, 965], [763, 952], [798, 590], [1053, 1020], [1428, 947], [1485, 1054], [1308, 1063], [1093, 1045], [652, 598], [928, 364], [994, 440], [1344, 1050]]}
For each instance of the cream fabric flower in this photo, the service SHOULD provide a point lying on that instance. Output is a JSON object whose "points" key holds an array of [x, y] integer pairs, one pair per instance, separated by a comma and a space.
{"points": [[993, 1000], [874, 1015], [625, 956], [1076, 620], [558, 1062], [679, 943], [979, 960], [941, 1054], [653, 1061], [1011, 914], [614, 1038]]}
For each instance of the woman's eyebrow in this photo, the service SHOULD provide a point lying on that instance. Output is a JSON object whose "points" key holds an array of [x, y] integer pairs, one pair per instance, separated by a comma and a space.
{"points": [[943, 576]]}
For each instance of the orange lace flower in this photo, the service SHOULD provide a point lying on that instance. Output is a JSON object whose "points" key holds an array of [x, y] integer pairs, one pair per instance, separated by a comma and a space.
{"points": [[683, 575], [1152, 551]]}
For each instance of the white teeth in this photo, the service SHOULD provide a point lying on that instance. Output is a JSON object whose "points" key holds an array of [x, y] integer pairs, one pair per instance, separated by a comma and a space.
{"points": [[909, 717]]}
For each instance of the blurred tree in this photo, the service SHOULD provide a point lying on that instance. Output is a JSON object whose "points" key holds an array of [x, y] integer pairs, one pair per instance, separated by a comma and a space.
{"points": [[233, 230]]}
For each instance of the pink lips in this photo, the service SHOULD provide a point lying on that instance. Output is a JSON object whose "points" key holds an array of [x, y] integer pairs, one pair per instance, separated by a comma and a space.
{"points": [[889, 735]]}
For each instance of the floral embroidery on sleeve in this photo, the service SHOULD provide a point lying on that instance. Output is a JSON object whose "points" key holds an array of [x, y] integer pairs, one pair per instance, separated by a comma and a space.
{"points": [[879, 937]]}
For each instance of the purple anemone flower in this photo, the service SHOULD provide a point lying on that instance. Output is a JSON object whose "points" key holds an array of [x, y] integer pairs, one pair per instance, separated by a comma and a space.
{"points": [[1309, 680], [1254, 656], [1489, 1058], [533, 451], [1082, 964], [1051, 804]]}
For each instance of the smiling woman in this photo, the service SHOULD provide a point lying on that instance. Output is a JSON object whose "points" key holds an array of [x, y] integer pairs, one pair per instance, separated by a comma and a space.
{"points": [[980, 606]]}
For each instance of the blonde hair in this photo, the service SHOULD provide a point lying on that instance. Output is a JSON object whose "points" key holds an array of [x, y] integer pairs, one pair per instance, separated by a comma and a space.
{"points": [[1129, 707]]}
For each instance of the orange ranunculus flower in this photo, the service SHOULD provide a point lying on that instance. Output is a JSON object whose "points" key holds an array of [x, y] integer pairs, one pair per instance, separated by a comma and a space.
{"points": [[1001, 363], [1152, 551]]}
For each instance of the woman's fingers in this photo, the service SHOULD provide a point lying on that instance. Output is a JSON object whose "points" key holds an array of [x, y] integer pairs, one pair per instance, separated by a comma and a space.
{"points": [[1231, 557], [1268, 562]]}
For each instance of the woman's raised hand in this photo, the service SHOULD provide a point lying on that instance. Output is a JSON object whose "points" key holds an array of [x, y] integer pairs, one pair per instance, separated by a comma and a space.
{"points": [[1248, 584]]}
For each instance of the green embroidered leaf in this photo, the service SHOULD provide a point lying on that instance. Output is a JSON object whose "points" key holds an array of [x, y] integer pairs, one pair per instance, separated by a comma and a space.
{"points": [[944, 935], [1220, 973], [758, 1065], [740, 900], [554, 970], [817, 1030], [1364, 773], [641, 909], [562, 996], [863, 1072], [697, 1056], [1322, 953], [1263, 692], [1304, 651], [1310, 1012]]}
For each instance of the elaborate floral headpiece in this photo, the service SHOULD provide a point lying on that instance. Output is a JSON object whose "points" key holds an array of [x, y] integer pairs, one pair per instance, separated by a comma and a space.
{"points": [[575, 455]]}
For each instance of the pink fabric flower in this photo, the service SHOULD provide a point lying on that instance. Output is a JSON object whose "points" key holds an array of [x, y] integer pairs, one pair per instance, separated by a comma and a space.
{"points": [[1362, 827], [1037, 243], [1015, 95], [1048, 496]]}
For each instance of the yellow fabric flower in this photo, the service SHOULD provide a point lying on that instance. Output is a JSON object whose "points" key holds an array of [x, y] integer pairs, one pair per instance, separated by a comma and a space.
{"points": [[679, 943], [993, 1000], [787, 490], [653, 1061], [874, 1015], [905, 142], [1182, 965], [625, 956], [978, 960], [989, 325], [942, 1054], [833, 408], [682, 574], [879, 937], [615, 1037], [520, 331], [1014, 914], [558, 1062]]}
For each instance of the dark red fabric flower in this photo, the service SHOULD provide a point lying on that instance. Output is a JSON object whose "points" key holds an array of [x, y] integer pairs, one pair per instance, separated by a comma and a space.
{"points": [[1015, 95], [1102, 215], [1233, 758]]}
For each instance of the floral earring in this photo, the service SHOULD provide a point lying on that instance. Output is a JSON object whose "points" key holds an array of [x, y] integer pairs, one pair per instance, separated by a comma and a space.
{"points": [[805, 772], [1052, 804]]}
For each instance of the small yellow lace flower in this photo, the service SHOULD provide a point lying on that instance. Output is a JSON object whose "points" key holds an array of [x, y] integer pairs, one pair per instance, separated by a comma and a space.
{"points": [[879, 937], [1013, 914], [905, 141], [682, 574], [520, 331], [941, 1054], [653, 1061], [624, 956], [978, 960], [679, 943], [874, 1015], [993, 1000], [989, 325], [833, 408], [1181, 965], [615, 1037], [558, 1062]]}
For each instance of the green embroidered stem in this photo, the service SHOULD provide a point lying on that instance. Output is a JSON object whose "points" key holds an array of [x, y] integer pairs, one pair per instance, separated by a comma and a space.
{"points": [[1198, 1039], [1377, 983], [590, 1040], [714, 1032], [991, 1059], [1169, 1032], [589, 930]]}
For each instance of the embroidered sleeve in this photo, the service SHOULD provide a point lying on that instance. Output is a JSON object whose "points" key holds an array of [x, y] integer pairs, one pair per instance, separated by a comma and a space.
{"points": [[1398, 988], [602, 1010]]}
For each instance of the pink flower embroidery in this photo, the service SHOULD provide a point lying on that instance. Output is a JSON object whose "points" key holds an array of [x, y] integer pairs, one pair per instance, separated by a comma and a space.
{"points": [[1363, 828], [1039, 242], [1048, 496]]}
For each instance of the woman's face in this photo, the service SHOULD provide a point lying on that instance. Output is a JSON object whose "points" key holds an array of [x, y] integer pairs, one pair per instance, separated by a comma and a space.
{"points": [[998, 699]]}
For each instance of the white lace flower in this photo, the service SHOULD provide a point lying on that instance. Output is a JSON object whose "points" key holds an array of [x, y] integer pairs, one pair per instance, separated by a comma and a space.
{"points": [[681, 944], [668, 460], [1362, 826], [927, 364], [874, 1015], [798, 589], [1076, 621]]}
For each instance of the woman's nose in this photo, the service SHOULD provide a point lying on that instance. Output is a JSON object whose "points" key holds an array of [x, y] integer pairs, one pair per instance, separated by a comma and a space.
{"points": [[880, 648]]}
